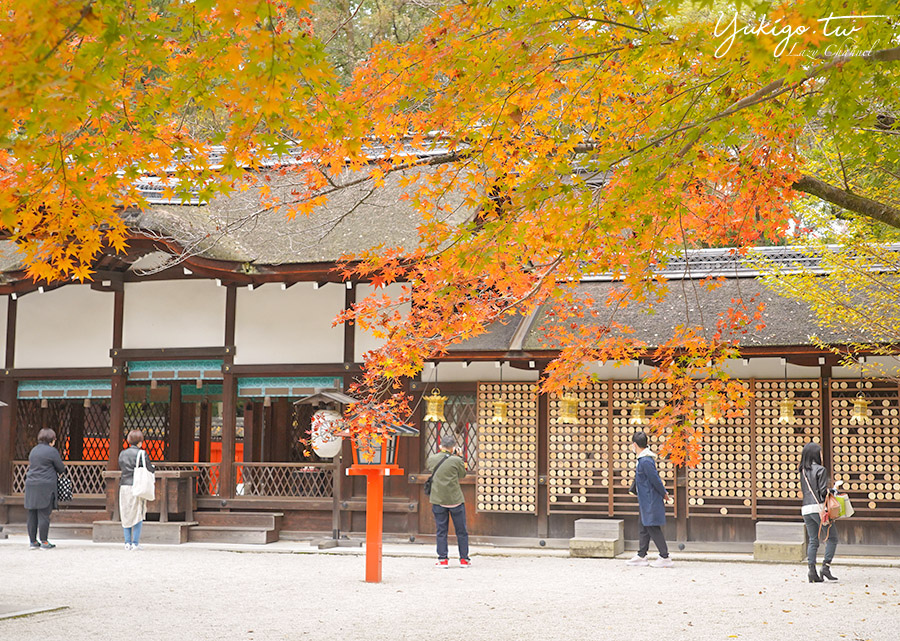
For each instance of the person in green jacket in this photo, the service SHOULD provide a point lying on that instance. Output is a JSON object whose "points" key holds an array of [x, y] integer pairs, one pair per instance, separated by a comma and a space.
{"points": [[447, 468]]}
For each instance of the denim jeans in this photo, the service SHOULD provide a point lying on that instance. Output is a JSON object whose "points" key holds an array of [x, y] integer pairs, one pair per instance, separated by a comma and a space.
{"points": [[133, 534], [812, 533], [442, 517]]}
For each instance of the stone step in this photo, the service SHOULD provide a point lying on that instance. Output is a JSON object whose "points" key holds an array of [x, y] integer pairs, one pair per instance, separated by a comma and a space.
{"points": [[599, 529], [172, 532], [57, 530], [222, 534], [258, 520]]}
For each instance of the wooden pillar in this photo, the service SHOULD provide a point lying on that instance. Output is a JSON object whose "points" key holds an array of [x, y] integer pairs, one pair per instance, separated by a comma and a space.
{"points": [[76, 433], [825, 414], [8, 414], [116, 415], [203, 445], [349, 328], [543, 443], [412, 462], [280, 432], [173, 446], [681, 503], [251, 431], [229, 400], [119, 379], [186, 438]]}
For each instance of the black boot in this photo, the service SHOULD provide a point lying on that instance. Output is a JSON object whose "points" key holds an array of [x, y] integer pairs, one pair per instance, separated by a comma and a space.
{"points": [[814, 576], [826, 572]]}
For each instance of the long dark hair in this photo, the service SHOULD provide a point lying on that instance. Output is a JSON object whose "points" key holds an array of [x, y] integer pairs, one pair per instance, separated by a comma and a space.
{"points": [[812, 453]]}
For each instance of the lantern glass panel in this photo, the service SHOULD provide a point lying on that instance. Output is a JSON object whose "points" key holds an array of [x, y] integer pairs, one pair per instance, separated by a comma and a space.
{"points": [[368, 450]]}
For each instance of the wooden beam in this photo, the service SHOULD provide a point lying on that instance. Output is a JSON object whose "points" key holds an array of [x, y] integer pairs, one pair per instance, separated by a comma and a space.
{"points": [[229, 401], [118, 318], [349, 327], [172, 353]]}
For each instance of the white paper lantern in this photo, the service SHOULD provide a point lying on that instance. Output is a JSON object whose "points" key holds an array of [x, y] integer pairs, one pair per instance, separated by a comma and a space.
{"points": [[323, 433]]}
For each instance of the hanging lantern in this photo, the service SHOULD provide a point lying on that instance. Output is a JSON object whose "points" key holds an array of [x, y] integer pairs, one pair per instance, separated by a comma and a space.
{"points": [[712, 410], [324, 433], [568, 409], [638, 413], [860, 412], [434, 410], [500, 409], [786, 411]]}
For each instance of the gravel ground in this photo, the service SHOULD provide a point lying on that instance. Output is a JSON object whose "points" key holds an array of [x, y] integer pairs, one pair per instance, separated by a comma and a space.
{"points": [[189, 593]]}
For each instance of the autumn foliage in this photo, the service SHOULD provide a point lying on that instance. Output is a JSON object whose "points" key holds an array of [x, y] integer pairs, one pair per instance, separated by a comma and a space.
{"points": [[596, 137]]}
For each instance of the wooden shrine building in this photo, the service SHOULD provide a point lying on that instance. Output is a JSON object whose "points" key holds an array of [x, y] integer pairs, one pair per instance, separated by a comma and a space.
{"points": [[205, 333]]}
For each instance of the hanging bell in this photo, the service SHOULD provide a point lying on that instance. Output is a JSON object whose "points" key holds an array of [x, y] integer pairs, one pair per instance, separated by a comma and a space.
{"points": [[568, 409], [500, 409], [786, 411], [859, 415], [638, 413], [434, 408], [712, 410]]}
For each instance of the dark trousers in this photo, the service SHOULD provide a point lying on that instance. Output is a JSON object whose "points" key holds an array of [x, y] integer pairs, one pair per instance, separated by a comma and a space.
{"points": [[812, 533], [442, 516], [652, 532], [39, 523]]}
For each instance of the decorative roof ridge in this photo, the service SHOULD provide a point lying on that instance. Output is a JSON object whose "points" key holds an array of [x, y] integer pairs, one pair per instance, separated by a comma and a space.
{"points": [[731, 262]]}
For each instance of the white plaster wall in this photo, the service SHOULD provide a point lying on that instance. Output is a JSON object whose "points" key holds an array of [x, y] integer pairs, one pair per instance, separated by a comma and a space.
{"points": [[364, 340], [70, 326], [874, 367], [187, 313], [458, 373], [289, 326]]}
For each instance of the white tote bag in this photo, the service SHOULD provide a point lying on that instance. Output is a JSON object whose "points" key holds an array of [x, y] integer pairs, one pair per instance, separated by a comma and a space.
{"points": [[144, 484]]}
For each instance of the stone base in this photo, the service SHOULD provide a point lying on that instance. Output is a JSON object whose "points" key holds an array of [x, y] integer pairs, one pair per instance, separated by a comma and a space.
{"points": [[778, 551], [173, 532], [596, 548]]}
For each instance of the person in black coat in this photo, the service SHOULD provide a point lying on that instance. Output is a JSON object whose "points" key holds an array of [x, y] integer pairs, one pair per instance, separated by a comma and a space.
{"points": [[44, 467], [814, 482]]}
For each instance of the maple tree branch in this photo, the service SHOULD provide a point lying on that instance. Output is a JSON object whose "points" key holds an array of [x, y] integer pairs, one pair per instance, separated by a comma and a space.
{"points": [[882, 212]]}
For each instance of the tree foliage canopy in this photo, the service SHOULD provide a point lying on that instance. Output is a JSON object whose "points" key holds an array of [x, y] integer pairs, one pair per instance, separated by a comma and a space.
{"points": [[591, 136]]}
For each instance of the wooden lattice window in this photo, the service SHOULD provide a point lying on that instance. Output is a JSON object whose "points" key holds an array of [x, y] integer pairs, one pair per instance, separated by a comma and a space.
{"points": [[460, 412], [31, 418], [152, 418]]}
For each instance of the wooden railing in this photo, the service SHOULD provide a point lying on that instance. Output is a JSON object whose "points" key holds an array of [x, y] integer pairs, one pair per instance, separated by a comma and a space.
{"points": [[87, 477], [300, 480], [207, 483]]}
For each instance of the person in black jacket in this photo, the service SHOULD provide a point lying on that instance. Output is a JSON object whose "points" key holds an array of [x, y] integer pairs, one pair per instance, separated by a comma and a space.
{"points": [[44, 467], [814, 483]]}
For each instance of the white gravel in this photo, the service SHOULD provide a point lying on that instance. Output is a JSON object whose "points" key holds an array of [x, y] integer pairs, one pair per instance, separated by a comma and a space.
{"points": [[189, 593]]}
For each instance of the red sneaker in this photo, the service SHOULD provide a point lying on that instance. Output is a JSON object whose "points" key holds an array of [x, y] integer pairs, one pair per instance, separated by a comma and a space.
{"points": [[442, 563], [464, 563]]}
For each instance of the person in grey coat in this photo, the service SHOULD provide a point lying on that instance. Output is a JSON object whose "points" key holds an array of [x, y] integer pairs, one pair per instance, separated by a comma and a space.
{"points": [[44, 467]]}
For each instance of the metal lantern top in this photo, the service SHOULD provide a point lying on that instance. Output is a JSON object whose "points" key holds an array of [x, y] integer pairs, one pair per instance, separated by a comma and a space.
{"points": [[434, 409], [786, 411], [859, 414], [500, 412], [379, 449], [638, 413], [568, 409]]}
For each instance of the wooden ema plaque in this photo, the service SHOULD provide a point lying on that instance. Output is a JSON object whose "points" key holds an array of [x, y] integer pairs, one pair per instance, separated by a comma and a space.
{"points": [[507, 452], [867, 456], [590, 465]]}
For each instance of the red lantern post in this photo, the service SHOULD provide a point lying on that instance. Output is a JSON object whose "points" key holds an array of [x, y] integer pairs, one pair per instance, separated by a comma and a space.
{"points": [[375, 456]]}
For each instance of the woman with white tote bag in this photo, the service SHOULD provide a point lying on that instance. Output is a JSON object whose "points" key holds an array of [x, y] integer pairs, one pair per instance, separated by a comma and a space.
{"points": [[135, 488]]}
